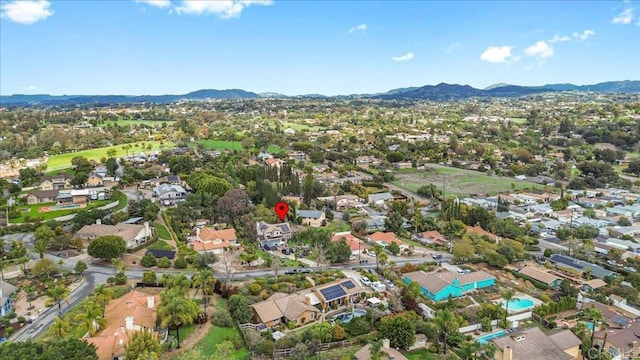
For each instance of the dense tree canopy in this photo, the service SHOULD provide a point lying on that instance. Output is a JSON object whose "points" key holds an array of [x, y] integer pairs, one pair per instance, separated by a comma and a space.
{"points": [[107, 247]]}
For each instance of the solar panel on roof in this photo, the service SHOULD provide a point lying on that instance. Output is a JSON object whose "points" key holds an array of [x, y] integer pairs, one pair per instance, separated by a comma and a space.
{"points": [[348, 284], [333, 292], [566, 261], [620, 320]]}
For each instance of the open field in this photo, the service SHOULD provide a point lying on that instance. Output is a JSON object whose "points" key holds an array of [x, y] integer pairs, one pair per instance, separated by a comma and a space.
{"points": [[230, 145], [301, 127], [124, 122], [216, 336], [62, 161], [460, 182]]}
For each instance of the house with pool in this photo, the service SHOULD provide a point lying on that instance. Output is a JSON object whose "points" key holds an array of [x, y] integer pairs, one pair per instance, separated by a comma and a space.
{"points": [[446, 284]]}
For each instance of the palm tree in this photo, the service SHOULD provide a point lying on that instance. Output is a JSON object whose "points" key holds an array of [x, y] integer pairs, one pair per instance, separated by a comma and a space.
{"points": [[102, 295], [176, 281], [594, 316], [446, 323], [118, 265], [381, 256], [507, 295], [205, 282], [57, 295], [92, 318], [375, 351], [176, 310], [41, 246], [60, 327]]}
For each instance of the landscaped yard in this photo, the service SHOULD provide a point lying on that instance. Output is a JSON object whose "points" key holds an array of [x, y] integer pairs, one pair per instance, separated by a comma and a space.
{"points": [[422, 354], [160, 245], [62, 161], [230, 145], [216, 336], [32, 211], [123, 122], [162, 231], [460, 182]]}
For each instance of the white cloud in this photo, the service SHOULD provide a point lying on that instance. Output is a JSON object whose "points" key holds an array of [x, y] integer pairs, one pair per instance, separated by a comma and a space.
{"points": [[584, 35], [26, 11], [624, 18], [540, 50], [451, 47], [29, 88], [498, 54], [358, 29], [156, 3], [222, 8], [406, 57], [559, 39]]}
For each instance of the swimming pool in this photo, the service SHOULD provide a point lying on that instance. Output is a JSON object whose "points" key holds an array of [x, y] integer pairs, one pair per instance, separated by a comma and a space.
{"points": [[347, 317], [517, 304], [589, 325], [486, 338]]}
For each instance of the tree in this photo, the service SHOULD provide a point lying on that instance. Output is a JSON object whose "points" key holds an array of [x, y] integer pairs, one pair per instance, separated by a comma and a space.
{"points": [[320, 254], [463, 250], [446, 323], [624, 221], [107, 247], [44, 236], [507, 295], [338, 251], [57, 295], [547, 253], [204, 281], [633, 167], [67, 349], [233, 205], [400, 330], [239, 309], [203, 260], [176, 310], [102, 294], [60, 327], [394, 222], [91, 319], [144, 208], [595, 317], [454, 229], [149, 277], [143, 345], [393, 248], [80, 267], [178, 282], [375, 352], [229, 261], [79, 179], [44, 267], [224, 349], [276, 265], [148, 260]]}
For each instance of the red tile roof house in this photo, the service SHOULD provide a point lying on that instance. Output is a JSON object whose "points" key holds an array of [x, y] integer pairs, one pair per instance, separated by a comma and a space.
{"points": [[385, 239], [431, 237], [212, 240], [354, 243]]}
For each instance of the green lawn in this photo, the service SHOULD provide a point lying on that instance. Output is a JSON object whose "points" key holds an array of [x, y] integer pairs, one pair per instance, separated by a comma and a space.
{"points": [[62, 161], [124, 122], [422, 354], [230, 145], [160, 245], [460, 182], [216, 336], [33, 210], [290, 263], [162, 231], [301, 127]]}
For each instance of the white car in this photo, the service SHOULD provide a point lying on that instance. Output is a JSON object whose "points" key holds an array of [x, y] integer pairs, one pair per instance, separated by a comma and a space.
{"points": [[365, 281]]}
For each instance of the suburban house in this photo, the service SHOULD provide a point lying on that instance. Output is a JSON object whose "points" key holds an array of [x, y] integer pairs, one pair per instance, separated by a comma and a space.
{"points": [[533, 343], [342, 202], [271, 235], [297, 155], [446, 284], [173, 179], [365, 352], [285, 308], [208, 239], [6, 297], [379, 198], [568, 262], [132, 234], [541, 275], [168, 192], [42, 197], [94, 180], [375, 223], [125, 315], [621, 344], [431, 238], [56, 182], [384, 239], [366, 161], [312, 218], [305, 305]]}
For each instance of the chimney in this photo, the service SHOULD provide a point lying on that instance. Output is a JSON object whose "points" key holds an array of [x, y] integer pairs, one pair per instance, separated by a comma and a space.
{"points": [[386, 344], [129, 322], [151, 302], [147, 230], [99, 221], [507, 353]]}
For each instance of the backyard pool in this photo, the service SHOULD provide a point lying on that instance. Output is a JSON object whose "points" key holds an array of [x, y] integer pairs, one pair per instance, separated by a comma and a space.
{"points": [[589, 325], [347, 317], [517, 304], [486, 338]]}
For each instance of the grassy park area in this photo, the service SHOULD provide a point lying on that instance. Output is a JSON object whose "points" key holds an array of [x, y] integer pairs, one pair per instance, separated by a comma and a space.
{"points": [[62, 161], [460, 182], [230, 145]]}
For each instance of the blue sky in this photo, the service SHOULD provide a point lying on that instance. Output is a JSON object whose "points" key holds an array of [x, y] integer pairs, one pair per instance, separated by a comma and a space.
{"points": [[301, 47]]}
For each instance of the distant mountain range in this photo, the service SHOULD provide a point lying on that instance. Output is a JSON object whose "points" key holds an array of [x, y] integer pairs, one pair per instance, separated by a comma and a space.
{"points": [[440, 92]]}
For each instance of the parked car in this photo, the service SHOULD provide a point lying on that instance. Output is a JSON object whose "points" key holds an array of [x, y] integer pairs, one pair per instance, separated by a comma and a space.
{"points": [[390, 284], [436, 256], [365, 281]]}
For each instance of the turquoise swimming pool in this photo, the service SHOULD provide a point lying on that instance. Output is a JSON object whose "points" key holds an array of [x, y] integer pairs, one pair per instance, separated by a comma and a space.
{"points": [[486, 338], [518, 304]]}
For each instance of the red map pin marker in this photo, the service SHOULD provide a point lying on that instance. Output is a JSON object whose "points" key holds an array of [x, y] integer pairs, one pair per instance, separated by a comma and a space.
{"points": [[281, 208]]}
